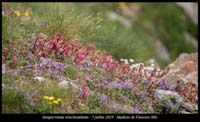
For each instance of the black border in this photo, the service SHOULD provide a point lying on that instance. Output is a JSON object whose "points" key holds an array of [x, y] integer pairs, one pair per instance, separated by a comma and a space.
{"points": [[166, 117]]}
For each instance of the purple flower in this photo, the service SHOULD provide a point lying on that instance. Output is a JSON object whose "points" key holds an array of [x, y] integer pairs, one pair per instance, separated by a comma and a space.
{"points": [[60, 78], [116, 84], [135, 110], [58, 65], [115, 106], [103, 100], [147, 82], [127, 85], [29, 67], [164, 85], [30, 55], [104, 84]]}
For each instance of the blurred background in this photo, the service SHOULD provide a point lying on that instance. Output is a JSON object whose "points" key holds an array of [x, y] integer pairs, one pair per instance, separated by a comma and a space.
{"points": [[141, 31]]}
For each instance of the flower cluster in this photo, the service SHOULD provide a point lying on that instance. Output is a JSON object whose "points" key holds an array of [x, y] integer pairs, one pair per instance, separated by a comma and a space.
{"points": [[126, 86], [103, 99], [121, 76], [9, 55], [26, 13], [60, 47], [52, 100]]}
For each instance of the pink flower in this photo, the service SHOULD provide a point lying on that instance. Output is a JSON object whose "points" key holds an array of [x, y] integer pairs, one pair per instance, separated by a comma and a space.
{"points": [[81, 54], [71, 41], [78, 44], [5, 49], [90, 46], [14, 58], [50, 46], [86, 78], [85, 91], [14, 49]]}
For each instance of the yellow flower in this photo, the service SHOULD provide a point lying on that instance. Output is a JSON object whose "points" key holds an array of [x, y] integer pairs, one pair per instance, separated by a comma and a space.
{"points": [[51, 98], [17, 13], [21, 67], [26, 13], [46, 97], [59, 100], [98, 51], [55, 102]]}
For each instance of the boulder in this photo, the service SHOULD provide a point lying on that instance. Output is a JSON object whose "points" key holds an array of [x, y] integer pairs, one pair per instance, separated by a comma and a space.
{"points": [[188, 107], [185, 68], [183, 77], [170, 100], [167, 98]]}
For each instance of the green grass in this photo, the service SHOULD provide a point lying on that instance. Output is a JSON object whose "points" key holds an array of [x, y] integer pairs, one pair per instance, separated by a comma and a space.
{"points": [[86, 23], [13, 102], [70, 72]]}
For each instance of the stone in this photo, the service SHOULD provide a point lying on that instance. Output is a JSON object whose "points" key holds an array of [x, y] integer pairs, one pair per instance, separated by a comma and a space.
{"points": [[185, 68], [65, 84], [39, 78], [196, 107], [185, 112], [44, 61], [188, 106], [183, 77], [168, 99]]}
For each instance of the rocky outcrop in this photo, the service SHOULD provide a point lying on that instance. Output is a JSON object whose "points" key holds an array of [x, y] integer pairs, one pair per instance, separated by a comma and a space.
{"points": [[172, 102], [183, 78], [185, 69], [169, 100]]}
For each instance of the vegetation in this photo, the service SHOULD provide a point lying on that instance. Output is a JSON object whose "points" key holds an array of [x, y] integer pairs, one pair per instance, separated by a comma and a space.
{"points": [[71, 58]]}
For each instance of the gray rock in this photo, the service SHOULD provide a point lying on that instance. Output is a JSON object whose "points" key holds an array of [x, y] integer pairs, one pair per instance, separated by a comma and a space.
{"points": [[3, 68], [188, 106], [39, 78], [196, 107], [44, 61], [185, 112], [65, 84], [168, 99]]}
